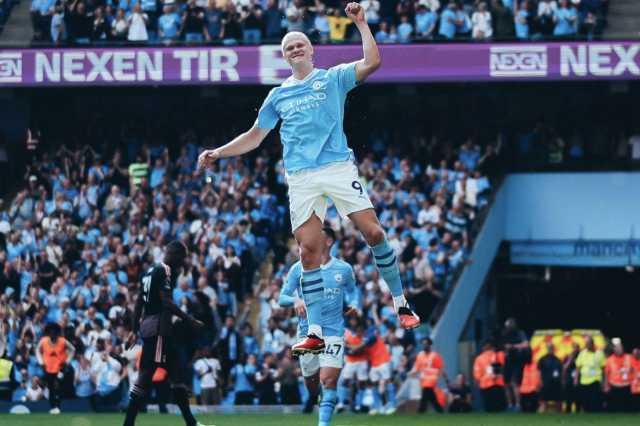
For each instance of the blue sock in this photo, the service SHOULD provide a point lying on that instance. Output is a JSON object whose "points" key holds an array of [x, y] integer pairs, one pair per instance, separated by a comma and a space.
{"points": [[377, 399], [387, 264], [343, 394], [327, 405], [359, 396], [391, 394], [312, 294]]}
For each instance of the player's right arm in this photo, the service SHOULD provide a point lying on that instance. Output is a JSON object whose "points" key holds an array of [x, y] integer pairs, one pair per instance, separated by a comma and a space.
{"points": [[245, 142], [267, 119]]}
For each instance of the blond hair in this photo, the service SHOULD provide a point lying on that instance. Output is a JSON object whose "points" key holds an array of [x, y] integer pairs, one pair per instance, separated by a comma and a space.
{"points": [[292, 34]]}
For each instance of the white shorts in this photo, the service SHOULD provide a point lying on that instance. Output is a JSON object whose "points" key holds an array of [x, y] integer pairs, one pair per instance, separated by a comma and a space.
{"points": [[355, 370], [309, 190], [333, 356], [381, 372]]}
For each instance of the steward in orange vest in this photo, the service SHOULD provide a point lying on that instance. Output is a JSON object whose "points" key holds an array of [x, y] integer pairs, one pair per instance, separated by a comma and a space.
{"points": [[52, 352], [530, 387], [429, 366], [618, 373], [488, 374]]}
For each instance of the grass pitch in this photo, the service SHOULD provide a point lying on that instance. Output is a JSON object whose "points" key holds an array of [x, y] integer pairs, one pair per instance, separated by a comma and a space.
{"points": [[338, 420]]}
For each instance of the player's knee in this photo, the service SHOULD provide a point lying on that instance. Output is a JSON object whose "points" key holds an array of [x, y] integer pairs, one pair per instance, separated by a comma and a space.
{"points": [[329, 382], [310, 254], [374, 235]]}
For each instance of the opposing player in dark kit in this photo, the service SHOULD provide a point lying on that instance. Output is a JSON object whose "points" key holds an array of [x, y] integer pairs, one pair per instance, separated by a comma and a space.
{"points": [[156, 308]]}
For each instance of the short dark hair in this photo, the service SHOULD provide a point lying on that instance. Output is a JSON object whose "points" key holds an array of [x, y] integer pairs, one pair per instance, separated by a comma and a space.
{"points": [[176, 252], [329, 232]]}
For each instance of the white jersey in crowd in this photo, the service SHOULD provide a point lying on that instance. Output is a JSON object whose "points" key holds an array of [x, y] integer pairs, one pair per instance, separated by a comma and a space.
{"points": [[207, 369], [137, 27]]}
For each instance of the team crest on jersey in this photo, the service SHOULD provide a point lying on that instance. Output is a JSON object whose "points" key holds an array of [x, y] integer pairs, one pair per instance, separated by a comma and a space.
{"points": [[338, 277], [317, 85]]}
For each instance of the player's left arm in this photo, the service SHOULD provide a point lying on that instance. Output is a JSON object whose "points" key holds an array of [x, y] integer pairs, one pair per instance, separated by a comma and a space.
{"points": [[371, 61]]}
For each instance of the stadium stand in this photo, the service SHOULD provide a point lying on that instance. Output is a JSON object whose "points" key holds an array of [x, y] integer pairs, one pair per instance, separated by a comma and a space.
{"points": [[254, 22], [87, 221], [89, 217]]}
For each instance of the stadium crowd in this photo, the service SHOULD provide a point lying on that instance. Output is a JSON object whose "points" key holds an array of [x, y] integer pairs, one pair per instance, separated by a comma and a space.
{"points": [[84, 225], [232, 22]]}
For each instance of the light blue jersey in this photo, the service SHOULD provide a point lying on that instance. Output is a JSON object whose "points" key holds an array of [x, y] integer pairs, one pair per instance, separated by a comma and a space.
{"points": [[339, 286], [312, 112]]}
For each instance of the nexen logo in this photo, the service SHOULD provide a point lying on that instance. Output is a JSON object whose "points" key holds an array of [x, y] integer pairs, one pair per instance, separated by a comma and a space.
{"points": [[519, 61], [10, 67]]}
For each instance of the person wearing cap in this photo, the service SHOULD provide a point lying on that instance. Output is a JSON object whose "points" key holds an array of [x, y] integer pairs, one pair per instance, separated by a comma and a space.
{"points": [[589, 369], [618, 373]]}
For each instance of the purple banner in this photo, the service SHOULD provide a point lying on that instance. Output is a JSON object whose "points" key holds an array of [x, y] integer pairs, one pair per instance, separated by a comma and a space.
{"points": [[264, 64]]}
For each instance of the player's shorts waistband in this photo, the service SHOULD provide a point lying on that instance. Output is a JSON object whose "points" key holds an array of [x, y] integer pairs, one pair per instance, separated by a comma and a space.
{"points": [[320, 168]]}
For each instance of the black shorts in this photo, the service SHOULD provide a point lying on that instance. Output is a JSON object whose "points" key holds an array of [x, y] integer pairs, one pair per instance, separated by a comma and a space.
{"points": [[159, 351], [513, 370], [551, 392]]}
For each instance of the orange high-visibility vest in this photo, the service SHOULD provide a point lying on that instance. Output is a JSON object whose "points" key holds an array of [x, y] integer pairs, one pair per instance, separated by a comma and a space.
{"points": [[484, 372], [159, 375], [54, 354], [378, 353], [352, 339], [530, 379], [619, 370], [429, 365], [635, 383], [441, 397]]}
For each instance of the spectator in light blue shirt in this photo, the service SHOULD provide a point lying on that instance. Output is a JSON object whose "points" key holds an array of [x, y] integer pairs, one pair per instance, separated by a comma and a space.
{"points": [[522, 22], [382, 36], [58, 29], [243, 375], [469, 155], [566, 20], [181, 291], [448, 21], [426, 22], [168, 25], [508, 4], [251, 346], [463, 22], [127, 5], [213, 20], [321, 24], [157, 173], [405, 29]]}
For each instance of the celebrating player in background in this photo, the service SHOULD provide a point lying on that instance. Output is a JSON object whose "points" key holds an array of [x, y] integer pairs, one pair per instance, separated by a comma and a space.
{"points": [[339, 287], [319, 164], [158, 348]]}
